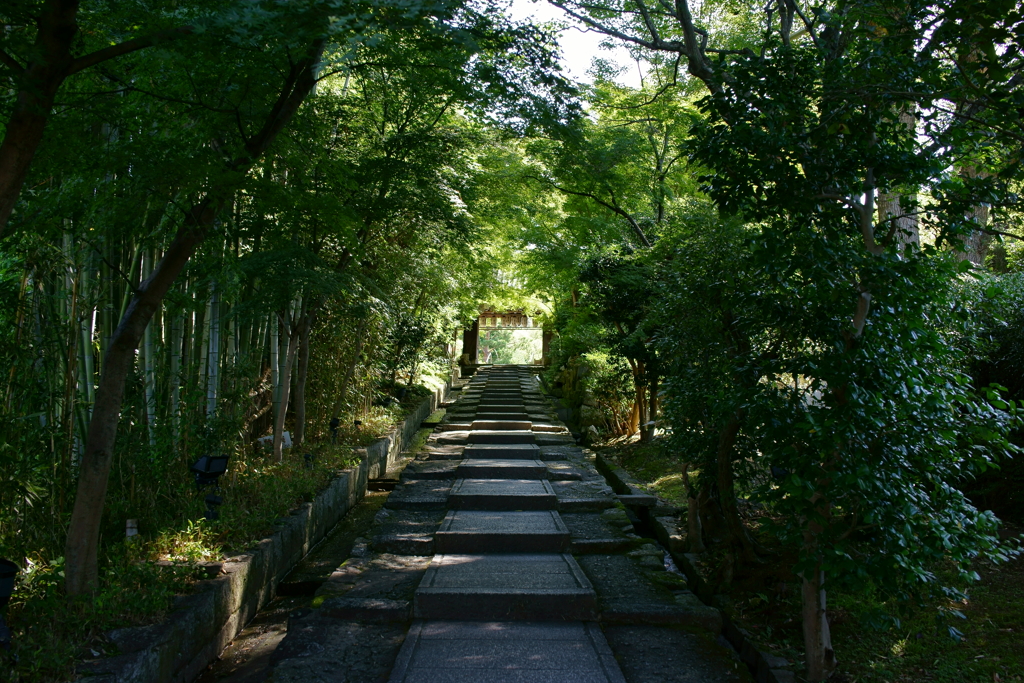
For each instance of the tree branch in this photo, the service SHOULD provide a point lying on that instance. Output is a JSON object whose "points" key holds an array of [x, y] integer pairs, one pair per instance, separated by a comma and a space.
{"points": [[614, 208], [809, 25], [127, 47], [659, 45], [11, 61]]}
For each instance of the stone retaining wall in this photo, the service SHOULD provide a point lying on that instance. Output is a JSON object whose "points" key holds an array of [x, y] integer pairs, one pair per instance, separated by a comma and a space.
{"points": [[765, 667], [202, 624]]}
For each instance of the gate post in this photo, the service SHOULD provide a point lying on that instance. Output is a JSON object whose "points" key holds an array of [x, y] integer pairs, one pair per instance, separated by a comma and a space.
{"points": [[470, 343]]}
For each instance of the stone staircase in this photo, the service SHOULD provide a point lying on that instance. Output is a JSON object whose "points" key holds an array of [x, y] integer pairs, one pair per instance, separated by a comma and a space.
{"points": [[502, 550], [501, 566]]}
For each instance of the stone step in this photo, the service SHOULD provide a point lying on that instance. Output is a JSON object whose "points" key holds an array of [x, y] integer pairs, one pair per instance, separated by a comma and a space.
{"points": [[519, 451], [476, 531], [490, 399], [513, 652], [501, 436], [540, 587], [502, 494], [501, 425], [431, 469], [501, 407], [501, 415], [420, 494], [501, 468]]}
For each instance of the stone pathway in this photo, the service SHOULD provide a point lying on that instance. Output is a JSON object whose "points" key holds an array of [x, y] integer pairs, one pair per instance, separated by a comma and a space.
{"points": [[511, 558]]}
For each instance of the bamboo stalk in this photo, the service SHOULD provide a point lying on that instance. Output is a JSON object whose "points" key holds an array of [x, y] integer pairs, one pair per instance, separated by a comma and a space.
{"points": [[213, 353], [149, 367]]}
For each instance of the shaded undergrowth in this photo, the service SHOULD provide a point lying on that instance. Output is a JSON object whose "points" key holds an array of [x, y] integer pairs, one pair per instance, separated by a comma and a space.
{"points": [[909, 645], [140, 577]]}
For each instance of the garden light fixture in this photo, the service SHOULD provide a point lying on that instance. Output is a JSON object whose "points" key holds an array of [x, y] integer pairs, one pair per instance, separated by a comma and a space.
{"points": [[208, 470], [8, 570]]}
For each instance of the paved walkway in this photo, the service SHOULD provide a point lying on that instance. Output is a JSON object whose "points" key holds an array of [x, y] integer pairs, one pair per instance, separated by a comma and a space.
{"points": [[478, 546]]}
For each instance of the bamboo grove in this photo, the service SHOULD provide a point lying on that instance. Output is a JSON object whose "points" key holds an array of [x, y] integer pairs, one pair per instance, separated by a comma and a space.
{"points": [[250, 215]]}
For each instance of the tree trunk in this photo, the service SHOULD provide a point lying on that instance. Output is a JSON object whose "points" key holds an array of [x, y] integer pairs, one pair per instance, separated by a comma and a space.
{"points": [[727, 491], [694, 530], [300, 380], [975, 245], [39, 82], [275, 363], [149, 364], [820, 657], [643, 409], [82, 547], [177, 325], [286, 386], [213, 355], [889, 204], [634, 419], [81, 550], [339, 405]]}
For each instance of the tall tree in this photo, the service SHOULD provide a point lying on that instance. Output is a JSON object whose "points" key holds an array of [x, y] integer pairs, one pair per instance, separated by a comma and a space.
{"points": [[802, 133]]}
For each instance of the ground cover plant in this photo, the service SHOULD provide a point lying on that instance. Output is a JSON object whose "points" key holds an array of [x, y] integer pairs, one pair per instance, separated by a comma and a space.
{"points": [[143, 574], [877, 641]]}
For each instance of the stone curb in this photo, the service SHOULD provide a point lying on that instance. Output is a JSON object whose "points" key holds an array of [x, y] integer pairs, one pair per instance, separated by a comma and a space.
{"points": [[764, 666], [202, 624]]}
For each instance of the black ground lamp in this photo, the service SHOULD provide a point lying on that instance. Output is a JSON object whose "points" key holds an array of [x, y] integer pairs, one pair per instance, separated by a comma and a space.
{"points": [[308, 457], [8, 570], [335, 423], [208, 470]]}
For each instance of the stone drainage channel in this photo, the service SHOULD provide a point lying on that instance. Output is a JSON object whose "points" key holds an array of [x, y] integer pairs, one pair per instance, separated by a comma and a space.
{"points": [[501, 556]]}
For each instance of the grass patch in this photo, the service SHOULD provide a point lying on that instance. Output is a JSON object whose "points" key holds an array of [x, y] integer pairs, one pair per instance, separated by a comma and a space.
{"points": [[654, 467]]}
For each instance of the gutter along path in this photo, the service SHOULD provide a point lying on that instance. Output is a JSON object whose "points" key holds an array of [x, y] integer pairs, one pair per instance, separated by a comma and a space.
{"points": [[503, 556]]}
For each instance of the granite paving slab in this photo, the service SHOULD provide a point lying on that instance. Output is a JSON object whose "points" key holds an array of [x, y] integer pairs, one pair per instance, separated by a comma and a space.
{"points": [[543, 439], [502, 494], [592, 534], [320, 649], [505, 652], [406, 532], [431, 469], [469, 531], [592, 488], [627, 596], [384, 575], [562, 470], [561, 452], [420, 494], [502, 468], [674, 655], [435, 450], [544, 587], [452, 438]]}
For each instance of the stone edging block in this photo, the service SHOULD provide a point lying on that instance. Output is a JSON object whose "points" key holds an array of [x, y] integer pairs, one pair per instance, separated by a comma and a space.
{"points": [[765, 667], [201, 625]]}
